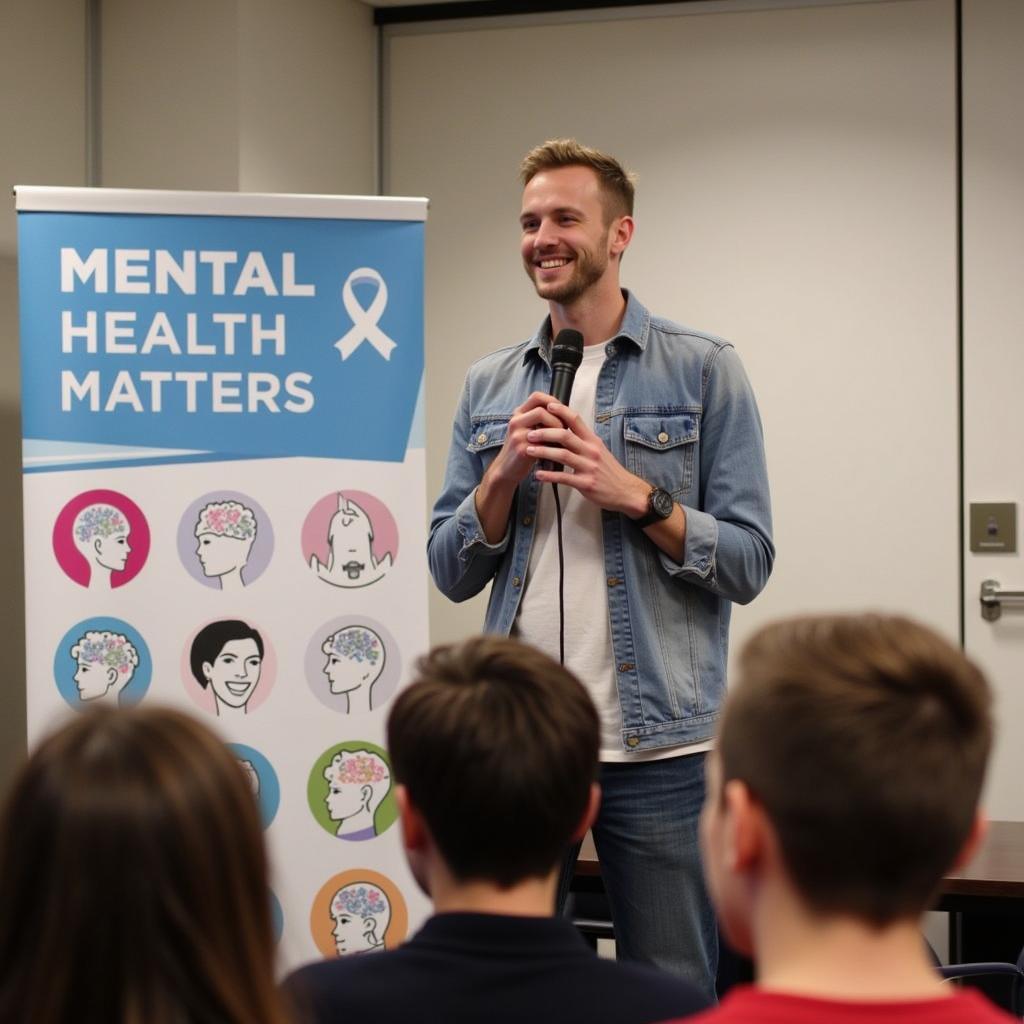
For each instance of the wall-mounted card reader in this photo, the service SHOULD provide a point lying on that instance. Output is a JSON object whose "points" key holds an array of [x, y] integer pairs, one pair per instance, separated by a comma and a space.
{"points": [[994, 527]]}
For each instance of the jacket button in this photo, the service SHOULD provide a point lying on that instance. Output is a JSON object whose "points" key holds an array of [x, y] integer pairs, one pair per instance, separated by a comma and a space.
{"points": [[516, 581], [625, 666], [613, 581], [663, 437], [527, 520], [633, 741], [481, 438]]}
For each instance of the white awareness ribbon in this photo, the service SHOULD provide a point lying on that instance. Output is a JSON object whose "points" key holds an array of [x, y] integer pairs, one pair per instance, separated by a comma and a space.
{"points": [[364, 321]]}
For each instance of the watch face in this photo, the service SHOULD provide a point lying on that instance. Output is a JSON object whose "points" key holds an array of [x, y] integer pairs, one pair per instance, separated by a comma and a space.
{"points": [[661, 502]]}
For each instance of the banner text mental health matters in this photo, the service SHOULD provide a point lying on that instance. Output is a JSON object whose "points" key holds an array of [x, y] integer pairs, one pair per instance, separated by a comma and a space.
{"points": [[171, 331]]}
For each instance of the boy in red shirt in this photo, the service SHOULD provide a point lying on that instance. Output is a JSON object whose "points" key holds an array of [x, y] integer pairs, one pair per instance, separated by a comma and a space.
{"points": [[845, 784]]}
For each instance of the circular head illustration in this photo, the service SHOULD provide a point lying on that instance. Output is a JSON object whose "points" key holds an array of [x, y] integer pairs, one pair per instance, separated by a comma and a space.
{"points": [[102, 661], [101, 539], [225, 540], [229, 668], [350, 539], [262, 779], [358, 911], [349, 791], [353, 665]]}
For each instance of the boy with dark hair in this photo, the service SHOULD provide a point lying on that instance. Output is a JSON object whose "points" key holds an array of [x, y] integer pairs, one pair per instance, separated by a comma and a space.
{"points": [[845, 784], [494, 750]]}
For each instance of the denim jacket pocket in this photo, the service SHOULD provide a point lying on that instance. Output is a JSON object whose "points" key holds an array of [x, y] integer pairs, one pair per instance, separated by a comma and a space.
{"points": [[661, 448], [486, 436]]}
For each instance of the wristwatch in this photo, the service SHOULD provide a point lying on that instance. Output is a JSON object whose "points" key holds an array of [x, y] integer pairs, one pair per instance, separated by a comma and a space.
{"points": [[659, 507]]}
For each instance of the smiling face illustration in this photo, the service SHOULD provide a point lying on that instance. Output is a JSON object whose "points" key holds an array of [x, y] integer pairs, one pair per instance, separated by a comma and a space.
{"points": [[234, 673], [227, 659]]}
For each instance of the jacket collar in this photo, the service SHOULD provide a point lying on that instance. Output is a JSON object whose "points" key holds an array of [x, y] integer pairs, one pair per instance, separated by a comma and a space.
{"points": [[636, 324]]}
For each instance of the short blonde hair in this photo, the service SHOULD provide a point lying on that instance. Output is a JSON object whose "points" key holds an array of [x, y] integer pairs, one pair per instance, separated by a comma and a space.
{"points": [[617, 184]]}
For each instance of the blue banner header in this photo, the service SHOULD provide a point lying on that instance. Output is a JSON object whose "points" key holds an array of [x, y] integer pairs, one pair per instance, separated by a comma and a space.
{"points": [[238, 337]]}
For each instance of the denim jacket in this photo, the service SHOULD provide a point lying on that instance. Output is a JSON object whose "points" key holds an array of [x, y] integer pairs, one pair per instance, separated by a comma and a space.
{"points": [[674, 407]]}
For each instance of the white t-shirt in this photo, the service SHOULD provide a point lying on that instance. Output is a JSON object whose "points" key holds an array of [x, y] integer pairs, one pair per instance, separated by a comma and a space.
{"points": [[588, 641]]}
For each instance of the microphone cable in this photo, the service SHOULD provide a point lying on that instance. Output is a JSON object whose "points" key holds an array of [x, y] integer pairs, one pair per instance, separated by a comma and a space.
{"points": [[566, 356], [561, 576]]}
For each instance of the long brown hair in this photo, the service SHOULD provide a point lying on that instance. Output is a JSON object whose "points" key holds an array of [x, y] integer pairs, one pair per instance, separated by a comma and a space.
{"points": [[133, 880]]}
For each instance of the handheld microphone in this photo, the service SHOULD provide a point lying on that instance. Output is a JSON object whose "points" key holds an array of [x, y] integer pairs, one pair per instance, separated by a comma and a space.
{"points": [[566, 356]]}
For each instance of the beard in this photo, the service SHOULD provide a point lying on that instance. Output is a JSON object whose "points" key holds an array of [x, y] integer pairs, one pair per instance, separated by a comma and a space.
{"points": [[588, 267]]}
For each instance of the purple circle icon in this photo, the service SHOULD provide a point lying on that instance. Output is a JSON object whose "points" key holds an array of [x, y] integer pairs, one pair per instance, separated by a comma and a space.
{"points": [[353, 665], [350, 539], [225, 540]]}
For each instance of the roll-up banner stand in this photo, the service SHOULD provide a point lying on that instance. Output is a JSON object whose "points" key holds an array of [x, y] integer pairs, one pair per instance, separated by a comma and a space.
{"points": [[224, 505]]}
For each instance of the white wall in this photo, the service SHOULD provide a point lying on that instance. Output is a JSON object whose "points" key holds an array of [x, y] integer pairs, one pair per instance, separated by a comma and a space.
{"points": [[307, 97], [204, 94], [796, 195], [239, 94]]}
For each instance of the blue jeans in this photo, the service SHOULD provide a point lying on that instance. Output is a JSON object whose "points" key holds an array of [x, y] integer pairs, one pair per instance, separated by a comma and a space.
{"points": [[646, 839]]}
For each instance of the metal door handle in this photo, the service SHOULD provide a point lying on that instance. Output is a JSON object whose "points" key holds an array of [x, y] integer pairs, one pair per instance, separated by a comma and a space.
{"points": [[992, 599]]}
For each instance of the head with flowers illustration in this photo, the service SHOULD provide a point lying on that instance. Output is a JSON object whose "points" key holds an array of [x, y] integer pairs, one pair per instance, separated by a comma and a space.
{"points": [[106, 663], [355, 660], [225, 532], [361, 913], [357, 783], [101, 534]]}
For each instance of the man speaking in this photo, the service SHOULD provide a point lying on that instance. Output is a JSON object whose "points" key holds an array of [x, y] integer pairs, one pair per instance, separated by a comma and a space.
{"points": [[661, 520]]}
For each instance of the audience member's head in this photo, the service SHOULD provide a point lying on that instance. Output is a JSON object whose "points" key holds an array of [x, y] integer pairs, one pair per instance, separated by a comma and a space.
{"points": [[495, 746], [850, 759], [133, 879]]}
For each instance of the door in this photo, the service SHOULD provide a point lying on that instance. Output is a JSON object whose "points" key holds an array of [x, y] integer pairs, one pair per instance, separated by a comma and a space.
{"points": [[993, 374]]}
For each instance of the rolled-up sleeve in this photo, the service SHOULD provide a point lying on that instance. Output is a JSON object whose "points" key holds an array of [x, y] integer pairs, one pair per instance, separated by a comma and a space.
{"points": [[728, 545], [461, 561]]}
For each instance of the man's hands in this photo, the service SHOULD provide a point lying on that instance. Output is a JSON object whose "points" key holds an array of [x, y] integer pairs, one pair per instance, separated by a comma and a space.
{"points": [[596, 473], [600, 477], [538, 424], [511, 465]]}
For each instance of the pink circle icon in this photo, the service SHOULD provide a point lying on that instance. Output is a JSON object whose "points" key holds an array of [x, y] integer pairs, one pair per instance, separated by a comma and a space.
{"points": [[101, 539], [350, 539], [229, 667]]}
